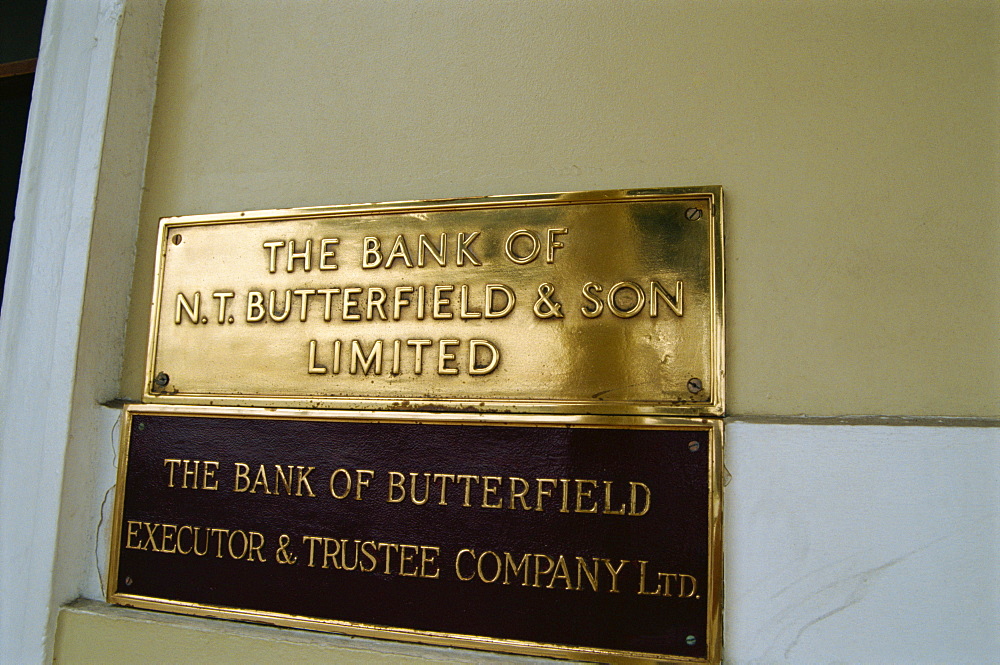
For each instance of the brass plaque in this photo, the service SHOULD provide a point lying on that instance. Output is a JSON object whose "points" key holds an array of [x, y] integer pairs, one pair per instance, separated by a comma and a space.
{"points": [[586, 537], [593, 302]]}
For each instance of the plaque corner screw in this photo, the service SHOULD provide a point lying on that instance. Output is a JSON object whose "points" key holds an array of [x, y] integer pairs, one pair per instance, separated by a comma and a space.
{"points": [[162, 379], [694, 446], [693, 214], [691, 640], [176, 239], [128, 581], [694, 385], [141, 426]]}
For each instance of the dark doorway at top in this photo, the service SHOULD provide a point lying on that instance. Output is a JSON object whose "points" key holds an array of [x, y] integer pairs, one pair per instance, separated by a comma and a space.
{"points": [[20, 34]]}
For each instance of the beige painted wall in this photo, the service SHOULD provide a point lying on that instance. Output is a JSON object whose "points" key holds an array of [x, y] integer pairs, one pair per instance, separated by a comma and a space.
{"points": [[858, 142]]}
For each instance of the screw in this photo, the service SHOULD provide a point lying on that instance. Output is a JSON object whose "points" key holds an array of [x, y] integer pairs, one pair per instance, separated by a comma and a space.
{"points": [[161, 379], [693, 214], [691, 640], [142, 426], [128, 581], [694, 446], [694, 385], [176, 239]]}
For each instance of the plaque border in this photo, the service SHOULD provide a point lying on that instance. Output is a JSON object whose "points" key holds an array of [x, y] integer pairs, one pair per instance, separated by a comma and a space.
{"points": [[715, 479], [714, 406]]}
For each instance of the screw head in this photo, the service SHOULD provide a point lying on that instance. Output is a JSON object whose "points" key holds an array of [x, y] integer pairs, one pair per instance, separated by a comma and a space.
{"points": [[161, 379], [691, 640], [693, 214], [694, 446], [142, 426], [694, 385], [176, 239], [128, 581]]}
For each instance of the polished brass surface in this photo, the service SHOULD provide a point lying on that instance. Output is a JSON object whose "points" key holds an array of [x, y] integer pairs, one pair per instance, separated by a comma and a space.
{"points": [[593, 302], [118, 592]]}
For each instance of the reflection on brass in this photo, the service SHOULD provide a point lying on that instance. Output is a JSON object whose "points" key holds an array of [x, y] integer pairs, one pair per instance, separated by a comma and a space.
{"points": [[508, 532], [593, 302]]}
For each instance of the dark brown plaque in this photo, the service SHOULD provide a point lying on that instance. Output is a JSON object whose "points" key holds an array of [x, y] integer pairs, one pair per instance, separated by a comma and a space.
{"points": [[584, 537]]}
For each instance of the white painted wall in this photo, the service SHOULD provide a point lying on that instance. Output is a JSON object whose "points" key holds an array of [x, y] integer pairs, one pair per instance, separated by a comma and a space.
{"points": [[862, 544]]}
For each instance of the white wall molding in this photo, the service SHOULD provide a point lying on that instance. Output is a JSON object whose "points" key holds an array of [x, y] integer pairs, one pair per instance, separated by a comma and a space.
{"points": [[51, 379]]}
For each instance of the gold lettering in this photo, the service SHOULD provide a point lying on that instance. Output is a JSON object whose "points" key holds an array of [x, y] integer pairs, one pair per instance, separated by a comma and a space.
{"points": [[399, 251], [553, 244], [426, 561], [273, 246], [479, 567], [305, 256], [463, 250], [458, 560], [588, 292], [675, 302], [582, 570], [303, 479], [396, 480], [413, 488], [475, 367], [444, 356], [489, 488], [222, 296], [549, 566], [286, 309], [437, 253], [325, 253], [256, 542], [418, 358], [694, 586], [441, 303], [561, 573], [607, 501], [283, 479], [614, 572], [173, 464], [180, 531], [374, 357], [208, 469], [518, 567], [376, 303], [350, 302], [582, 494], [347, 484], [313, 367], [193, 311], [406, 558], [444, 478], [363, 481], [633, 500], [540, 491], [371, 257], [255, 306], [312, 540], [493, 290], [132, 530], [242, 473], [168, 535], [518, 494], [328, 556], [261, 479], [368, 549], [468, 480]]}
